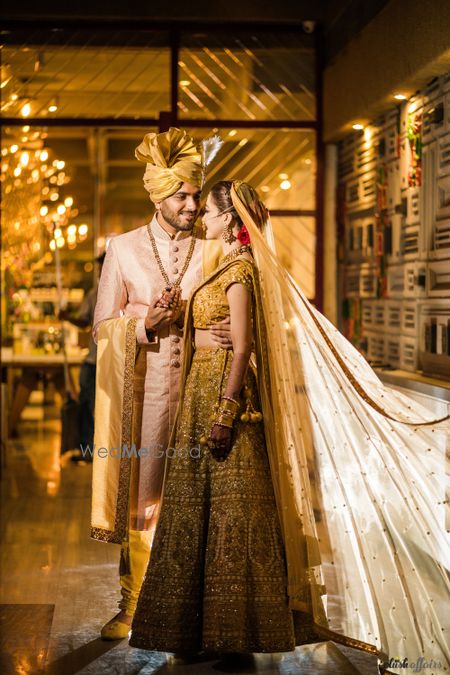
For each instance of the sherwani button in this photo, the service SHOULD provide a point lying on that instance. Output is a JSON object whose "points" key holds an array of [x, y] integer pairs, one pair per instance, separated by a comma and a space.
{"points": [[175, 363], [175, 270], [175, 338], [175, 259], [175, 248], [176, 350]]}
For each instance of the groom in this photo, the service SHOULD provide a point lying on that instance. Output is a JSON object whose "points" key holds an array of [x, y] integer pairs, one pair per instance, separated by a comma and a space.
{"points": [[147, 275]]}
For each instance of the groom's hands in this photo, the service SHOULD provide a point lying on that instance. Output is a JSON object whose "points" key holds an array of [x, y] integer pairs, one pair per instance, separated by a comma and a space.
{"points": [[221, 333], [168, 307], [164, 309]]}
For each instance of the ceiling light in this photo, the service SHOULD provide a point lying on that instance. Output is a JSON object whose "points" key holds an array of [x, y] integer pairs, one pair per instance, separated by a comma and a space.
{"points": [[358, 126], [232, 133], [43, 211], [283, 176], [14, 97], [44, 156], [400, 97], [72, 230], [26, 129], [68, 201], [25, 110], [185, 83], [265, 188], [53, 105], [57, 233], [285, 184], [83, 229]]}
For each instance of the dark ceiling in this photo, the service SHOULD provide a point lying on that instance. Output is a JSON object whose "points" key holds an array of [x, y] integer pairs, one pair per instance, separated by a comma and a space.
{"points": [[340, 20]]}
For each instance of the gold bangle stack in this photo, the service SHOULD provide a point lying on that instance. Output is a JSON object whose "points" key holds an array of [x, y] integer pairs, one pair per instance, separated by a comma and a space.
{"points": [[227, 411]]}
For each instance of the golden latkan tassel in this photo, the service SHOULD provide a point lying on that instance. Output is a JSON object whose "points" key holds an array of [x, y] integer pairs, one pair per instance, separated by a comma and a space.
{"points": [[250, 415]]}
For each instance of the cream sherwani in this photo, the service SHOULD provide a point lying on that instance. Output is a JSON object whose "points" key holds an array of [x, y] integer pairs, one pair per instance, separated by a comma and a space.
{"points": [[130, 280]]}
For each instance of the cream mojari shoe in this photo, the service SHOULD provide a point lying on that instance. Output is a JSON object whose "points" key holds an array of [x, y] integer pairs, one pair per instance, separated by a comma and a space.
{"points": [[116, 629]]}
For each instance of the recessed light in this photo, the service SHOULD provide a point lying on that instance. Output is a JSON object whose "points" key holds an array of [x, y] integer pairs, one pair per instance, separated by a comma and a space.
{"points": [[25, 110]]}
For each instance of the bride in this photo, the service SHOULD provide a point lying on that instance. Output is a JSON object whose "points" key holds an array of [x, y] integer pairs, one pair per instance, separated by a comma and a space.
{"points": [[303, 500]]}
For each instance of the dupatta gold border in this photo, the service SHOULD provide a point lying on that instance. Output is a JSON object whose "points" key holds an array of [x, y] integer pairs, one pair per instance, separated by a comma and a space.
{"points": [[355, 382], [120, 531]]}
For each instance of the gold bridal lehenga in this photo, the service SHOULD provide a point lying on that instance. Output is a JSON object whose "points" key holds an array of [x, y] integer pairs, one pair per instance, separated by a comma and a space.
{"points": [[327, 520]]}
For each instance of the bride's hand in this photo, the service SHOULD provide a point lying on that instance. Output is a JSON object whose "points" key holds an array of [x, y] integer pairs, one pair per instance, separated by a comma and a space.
{"points": [[219, 442]]}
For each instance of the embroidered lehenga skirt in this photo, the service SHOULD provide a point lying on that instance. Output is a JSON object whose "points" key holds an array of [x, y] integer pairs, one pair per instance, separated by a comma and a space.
{"points": [[216, 579]]}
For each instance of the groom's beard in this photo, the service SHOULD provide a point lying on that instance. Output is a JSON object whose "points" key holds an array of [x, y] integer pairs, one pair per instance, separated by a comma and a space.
{"points": [[182, 220]]}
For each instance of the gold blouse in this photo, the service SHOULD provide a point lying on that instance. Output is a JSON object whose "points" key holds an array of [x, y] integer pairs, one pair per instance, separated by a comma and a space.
{"points": [[210, 303]]}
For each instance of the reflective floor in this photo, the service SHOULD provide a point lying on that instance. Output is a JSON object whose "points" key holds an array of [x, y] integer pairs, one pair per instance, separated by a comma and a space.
{"points": [[59, 586]]}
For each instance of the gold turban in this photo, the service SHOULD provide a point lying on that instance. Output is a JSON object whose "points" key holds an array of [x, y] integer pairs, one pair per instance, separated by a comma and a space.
{"points": [[172, 159]]}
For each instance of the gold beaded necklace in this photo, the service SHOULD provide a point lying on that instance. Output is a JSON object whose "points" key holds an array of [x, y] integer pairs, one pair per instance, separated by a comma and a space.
{"points": [[235, 253], [164, 274]]}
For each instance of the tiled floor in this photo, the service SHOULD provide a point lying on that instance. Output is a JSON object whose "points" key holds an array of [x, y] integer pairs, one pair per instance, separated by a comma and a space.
{"points": [[59, 586]]}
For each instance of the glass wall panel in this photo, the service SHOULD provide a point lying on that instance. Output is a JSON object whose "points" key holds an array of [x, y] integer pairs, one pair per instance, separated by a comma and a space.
{"points": [[68, 188], [295, 238], [78, 73], [280, 164], [247, 76]]}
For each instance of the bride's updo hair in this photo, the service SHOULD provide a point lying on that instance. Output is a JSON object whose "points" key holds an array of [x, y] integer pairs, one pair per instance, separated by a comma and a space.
{"points": [[221, 194]]}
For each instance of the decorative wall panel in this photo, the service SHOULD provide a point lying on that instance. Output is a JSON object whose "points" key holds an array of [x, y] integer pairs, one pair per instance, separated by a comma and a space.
{"points": [[394, 218]]}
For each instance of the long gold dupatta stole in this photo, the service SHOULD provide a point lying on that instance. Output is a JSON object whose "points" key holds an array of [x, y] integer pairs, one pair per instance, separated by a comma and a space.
{"points": [[359, 474], [113, 439]]}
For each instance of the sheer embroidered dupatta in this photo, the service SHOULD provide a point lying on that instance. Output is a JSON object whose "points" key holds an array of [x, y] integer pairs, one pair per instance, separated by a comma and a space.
{"points": [[358, 471]]}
